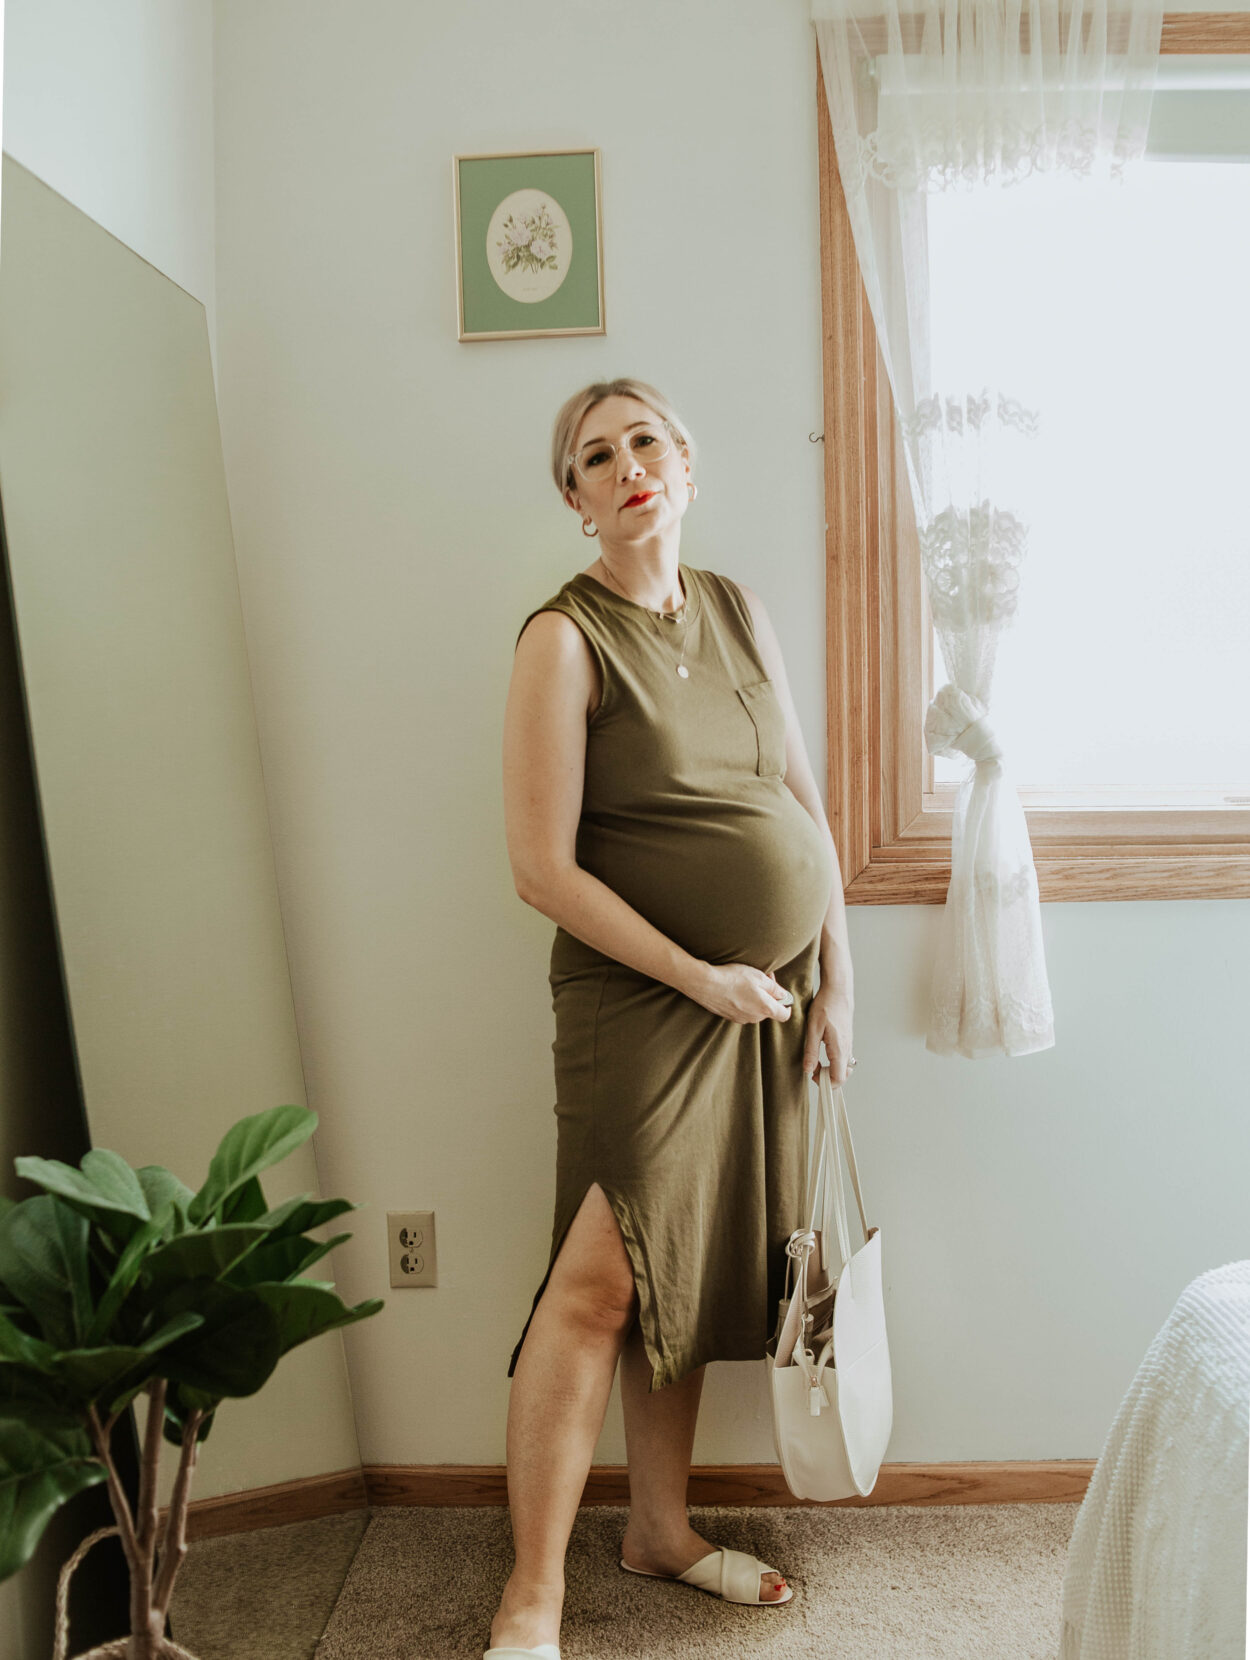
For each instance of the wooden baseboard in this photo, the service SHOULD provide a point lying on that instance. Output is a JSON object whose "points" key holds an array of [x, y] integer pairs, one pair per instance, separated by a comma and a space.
{"points": [[1043, 1481], [287, 1501], [1053, 1481]]}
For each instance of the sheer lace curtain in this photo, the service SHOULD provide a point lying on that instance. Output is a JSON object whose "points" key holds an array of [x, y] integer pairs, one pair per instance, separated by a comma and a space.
{"points": [[974, 95]]}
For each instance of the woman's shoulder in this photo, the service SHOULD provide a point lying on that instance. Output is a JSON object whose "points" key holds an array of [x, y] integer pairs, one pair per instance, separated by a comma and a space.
{"points": [[565, 639], [733, 597], [567, 603], [570, 620]]}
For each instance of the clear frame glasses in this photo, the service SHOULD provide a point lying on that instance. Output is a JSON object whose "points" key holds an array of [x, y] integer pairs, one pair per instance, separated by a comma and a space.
{"points": [[646, 443]]}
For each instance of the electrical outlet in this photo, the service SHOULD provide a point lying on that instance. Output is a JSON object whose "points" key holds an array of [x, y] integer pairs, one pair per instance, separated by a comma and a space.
{"points": [[410, 1239]]}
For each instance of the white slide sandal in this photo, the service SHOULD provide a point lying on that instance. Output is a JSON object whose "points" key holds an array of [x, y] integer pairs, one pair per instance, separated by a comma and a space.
{"points": [[732, 1575]]}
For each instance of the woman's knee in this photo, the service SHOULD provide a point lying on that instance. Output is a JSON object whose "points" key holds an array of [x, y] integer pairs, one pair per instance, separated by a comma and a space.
{"points": [[592, 1273]]}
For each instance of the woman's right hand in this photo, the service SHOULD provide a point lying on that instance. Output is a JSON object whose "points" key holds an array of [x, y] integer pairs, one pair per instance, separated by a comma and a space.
{"points": [[739, 992]]}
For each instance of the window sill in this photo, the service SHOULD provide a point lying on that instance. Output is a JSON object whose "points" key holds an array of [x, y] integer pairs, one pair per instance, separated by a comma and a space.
{"points": [[1136, 859]]}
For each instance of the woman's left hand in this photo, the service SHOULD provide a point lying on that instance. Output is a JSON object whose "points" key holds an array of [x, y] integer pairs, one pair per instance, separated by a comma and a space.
{"points": [[829, 1021]]}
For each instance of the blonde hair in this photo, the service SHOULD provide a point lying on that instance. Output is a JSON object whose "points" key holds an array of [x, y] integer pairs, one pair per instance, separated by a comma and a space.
{"points": [[575, 409]]}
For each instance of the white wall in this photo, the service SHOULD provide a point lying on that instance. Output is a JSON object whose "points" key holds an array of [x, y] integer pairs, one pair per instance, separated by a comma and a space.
{"points": [[396, 520], [1039, 1216], [112, 105]]}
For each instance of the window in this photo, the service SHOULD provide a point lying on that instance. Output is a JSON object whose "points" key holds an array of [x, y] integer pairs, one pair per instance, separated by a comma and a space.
{"points": [[1153, 799]]}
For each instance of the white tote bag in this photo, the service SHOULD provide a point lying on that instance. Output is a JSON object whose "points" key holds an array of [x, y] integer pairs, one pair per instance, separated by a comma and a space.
{"points": [[829, 1364]]}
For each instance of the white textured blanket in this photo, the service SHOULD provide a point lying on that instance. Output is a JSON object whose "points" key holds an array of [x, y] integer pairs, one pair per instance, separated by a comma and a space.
{"points": [[1157, 1561]]}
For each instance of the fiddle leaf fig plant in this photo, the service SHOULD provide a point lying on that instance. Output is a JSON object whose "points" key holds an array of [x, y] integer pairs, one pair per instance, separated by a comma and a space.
{"points": [[117, 1282]]}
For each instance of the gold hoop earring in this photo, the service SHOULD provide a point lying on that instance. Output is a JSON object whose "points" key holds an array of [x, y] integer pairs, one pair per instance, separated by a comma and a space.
{"points": [[693, 489], [586, 532]]}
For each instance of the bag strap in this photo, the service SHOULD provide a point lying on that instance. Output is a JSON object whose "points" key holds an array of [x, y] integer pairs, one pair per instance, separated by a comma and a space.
{"points": [[831, 1166], [814, 1217], [836, 1096], [832, 1126], [825, 1172]]}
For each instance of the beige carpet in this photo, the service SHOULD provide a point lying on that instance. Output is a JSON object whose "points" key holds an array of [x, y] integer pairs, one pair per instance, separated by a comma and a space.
{"points": [[265, 1595], [889, 1582]]}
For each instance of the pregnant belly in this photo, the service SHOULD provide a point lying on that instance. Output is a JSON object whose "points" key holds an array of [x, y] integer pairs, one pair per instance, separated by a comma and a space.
{"points": [[732, 884]]}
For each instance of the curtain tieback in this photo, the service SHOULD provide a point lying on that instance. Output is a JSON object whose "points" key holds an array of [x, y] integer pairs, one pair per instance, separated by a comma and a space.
{"points": [[956, 723]]}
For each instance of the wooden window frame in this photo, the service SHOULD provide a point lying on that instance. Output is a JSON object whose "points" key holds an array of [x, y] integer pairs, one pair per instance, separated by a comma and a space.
{"points": [[891, 825]]}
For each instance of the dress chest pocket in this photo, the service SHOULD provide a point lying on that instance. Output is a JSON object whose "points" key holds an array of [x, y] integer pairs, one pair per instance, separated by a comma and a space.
{"points": [[767, 716]]}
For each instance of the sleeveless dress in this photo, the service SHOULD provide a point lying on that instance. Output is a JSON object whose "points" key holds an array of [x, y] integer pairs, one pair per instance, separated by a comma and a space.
{"points": [[694, 1125]]}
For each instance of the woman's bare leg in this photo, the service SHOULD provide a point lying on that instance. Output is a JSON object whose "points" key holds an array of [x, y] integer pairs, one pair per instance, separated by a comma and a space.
{"points": [[659, 1440], [560, 1392]]}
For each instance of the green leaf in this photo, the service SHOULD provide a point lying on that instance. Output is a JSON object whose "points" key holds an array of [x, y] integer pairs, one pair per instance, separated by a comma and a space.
{"points": [[114, 1401], [40, 1469], [34, 1241], [25, 1388], [234, 1351], [109, 1174], [282, 1259], [161, 1188], [180, 1402], [123, 1278], [89, 1373], [193, 1256], [18, 1346], [246, 1203], [300, 1215], [56, 1420], [304, 1311], [248, 1147], [72, 1230], [105, 1190]]}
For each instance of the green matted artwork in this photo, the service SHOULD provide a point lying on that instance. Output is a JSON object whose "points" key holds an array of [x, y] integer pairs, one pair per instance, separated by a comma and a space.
{"points": [[529, 244]]}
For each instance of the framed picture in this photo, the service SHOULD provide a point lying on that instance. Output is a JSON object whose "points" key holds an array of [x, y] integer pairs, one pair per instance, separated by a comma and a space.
{"points": [[529, 244]]}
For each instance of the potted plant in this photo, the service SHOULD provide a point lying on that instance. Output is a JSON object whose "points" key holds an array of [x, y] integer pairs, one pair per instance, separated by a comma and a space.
{"points": [[116, 1282]]}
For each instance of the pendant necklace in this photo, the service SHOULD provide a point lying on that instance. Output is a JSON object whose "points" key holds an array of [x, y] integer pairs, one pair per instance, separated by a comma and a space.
{"points": [[669, 616]]}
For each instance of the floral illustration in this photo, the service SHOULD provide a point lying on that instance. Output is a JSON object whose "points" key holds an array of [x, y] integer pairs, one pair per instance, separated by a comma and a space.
{"points": [[529, 243]]}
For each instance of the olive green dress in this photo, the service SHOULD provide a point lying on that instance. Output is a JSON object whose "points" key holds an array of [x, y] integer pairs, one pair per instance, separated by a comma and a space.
{"points": [[694, 1125]]}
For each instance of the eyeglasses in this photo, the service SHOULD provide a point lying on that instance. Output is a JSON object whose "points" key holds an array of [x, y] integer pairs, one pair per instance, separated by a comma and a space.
{"points": [[645, 444]]}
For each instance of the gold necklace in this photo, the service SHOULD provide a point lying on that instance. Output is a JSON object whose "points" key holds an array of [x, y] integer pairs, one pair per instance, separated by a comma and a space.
{"points": [[632, 600], [669, 616]]}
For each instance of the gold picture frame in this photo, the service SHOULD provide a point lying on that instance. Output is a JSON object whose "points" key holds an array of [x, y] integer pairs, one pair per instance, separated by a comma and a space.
{"points": [[529, 244]]}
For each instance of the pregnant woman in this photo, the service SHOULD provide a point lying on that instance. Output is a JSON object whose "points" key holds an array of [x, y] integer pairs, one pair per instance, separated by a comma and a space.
{"points": [[661, 810]]}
